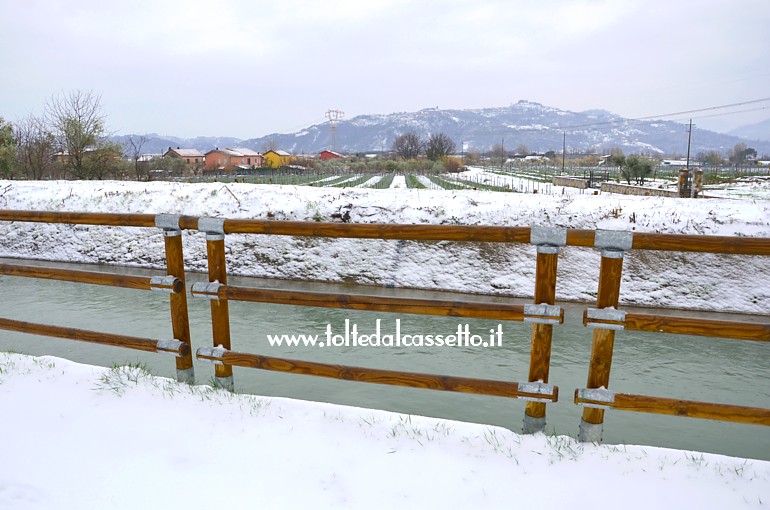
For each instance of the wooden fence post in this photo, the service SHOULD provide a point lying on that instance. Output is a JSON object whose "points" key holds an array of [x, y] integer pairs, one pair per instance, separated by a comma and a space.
{"points": [[548, 240], [613, 245], [180, 323], [220, 315]]}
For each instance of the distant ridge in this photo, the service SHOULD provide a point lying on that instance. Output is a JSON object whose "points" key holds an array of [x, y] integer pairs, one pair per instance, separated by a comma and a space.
{"points": [[758, 131], [538, 127]]}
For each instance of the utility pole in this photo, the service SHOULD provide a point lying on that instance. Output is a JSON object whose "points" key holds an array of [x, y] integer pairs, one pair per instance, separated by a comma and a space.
{"points": [[685, 184], [689, 139], [563, 151], [502, 151]]}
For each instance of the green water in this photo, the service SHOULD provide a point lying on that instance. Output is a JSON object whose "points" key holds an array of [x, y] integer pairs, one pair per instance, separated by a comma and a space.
{"points": [[693, 368]]}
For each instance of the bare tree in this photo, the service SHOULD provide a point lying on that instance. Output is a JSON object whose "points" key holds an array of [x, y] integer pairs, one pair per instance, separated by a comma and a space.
{"points": [[439, 146], [134, 150], [522, 149], [408, 145], [473, 157], [497, 151], [7, 150], [711, 158], [78, 124], [35, 148], [269, 145]]}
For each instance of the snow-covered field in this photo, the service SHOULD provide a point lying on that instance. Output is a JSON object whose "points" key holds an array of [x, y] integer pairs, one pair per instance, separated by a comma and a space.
{"points": [[83, 437], [664, 279]]}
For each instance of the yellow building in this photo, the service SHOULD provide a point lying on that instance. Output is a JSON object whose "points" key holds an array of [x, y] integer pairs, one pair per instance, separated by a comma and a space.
{"points": [[277, 158]]}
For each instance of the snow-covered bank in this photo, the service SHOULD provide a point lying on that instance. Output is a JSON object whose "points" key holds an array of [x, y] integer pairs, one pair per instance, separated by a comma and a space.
{"points": [[83, 437], [697, 281]]}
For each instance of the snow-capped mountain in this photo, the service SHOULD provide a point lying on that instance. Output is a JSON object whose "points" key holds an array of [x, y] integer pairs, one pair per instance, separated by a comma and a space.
{"points": [[538, 127]]}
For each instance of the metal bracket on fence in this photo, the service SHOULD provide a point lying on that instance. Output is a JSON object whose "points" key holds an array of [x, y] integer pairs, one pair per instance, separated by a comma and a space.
{"points": [[614, 243], [166, 284], [538, 388], [596, 396], [548, 239], [609, 318], [211, 354], [169, 223], [543, 314], [208, 290], [174, 347], [214, 228]]}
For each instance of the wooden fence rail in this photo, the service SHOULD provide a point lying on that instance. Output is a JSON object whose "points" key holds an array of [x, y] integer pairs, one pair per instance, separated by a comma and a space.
{"points": [[673, 407], [167, 284], [509, 389], [738, 245], [83, 335], [465, 309], [697, 326], [606, 320]]}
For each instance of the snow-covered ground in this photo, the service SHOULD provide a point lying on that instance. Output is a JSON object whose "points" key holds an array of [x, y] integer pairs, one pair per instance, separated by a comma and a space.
{"points": [[370, 182], [750, 188], [664, 279], [399, 182], [516, 183], [83, 437]]}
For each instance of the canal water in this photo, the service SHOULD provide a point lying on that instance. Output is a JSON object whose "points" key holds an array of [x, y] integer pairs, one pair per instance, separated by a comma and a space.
{"points": [[676, 366]]}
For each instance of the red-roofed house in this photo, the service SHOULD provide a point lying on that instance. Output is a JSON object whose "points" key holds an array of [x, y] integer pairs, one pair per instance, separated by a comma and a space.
{"points": [[231, 159], [190, 156], [327, 154]]}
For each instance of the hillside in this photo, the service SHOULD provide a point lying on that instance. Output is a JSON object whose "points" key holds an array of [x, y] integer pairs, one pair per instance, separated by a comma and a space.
{"points": [[540, 128], [757, 131]]}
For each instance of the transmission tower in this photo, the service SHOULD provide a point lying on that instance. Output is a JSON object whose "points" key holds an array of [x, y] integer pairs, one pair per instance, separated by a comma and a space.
{"points": [[334, 116]]}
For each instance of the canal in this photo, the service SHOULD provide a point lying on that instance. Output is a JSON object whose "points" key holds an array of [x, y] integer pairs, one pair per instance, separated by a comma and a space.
{"points": [[676, 366]]}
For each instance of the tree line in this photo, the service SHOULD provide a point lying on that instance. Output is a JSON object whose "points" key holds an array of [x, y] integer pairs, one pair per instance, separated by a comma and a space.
{"points": [[69, 140]]}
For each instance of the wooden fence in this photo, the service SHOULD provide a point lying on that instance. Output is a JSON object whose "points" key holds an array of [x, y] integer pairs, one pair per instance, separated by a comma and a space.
{"points": [[605, 319], [174, 284]]}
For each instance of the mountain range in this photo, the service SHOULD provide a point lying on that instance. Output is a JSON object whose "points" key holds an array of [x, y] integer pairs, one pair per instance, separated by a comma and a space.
{"points": [[538, 127], [758, 131]]}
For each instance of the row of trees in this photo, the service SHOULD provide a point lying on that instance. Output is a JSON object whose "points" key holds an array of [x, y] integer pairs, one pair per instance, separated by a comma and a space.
{"points": [[411, 146], [68, 140]]}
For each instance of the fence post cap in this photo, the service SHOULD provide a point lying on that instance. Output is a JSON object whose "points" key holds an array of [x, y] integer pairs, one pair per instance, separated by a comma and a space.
{"points": [[167, 221], [614, 240], [211, 225]]}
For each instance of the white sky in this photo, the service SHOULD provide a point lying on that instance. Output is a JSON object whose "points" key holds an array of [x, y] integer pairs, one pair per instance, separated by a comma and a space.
{"points": [[246, 69]]}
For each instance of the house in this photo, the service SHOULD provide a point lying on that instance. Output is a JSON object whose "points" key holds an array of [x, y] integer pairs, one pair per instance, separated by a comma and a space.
{"points": [[277, 158], [190, 156], [679, 162], [327, 155], [230, 159]]}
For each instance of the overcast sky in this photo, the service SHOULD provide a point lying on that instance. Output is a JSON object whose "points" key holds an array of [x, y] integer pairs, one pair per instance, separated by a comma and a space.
{"points": [[250, 68]]}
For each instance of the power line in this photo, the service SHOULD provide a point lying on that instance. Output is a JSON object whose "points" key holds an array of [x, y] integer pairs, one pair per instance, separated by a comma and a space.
{"points": [[710, 108], [727, 113], [643, 119], [675, 114]]}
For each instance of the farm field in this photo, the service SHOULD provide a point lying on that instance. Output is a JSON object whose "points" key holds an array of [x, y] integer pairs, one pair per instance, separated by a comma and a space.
{"points": [[535, 179]]}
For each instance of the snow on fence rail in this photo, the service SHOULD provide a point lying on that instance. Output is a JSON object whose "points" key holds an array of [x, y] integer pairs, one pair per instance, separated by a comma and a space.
{"points": [[605, 319]]}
